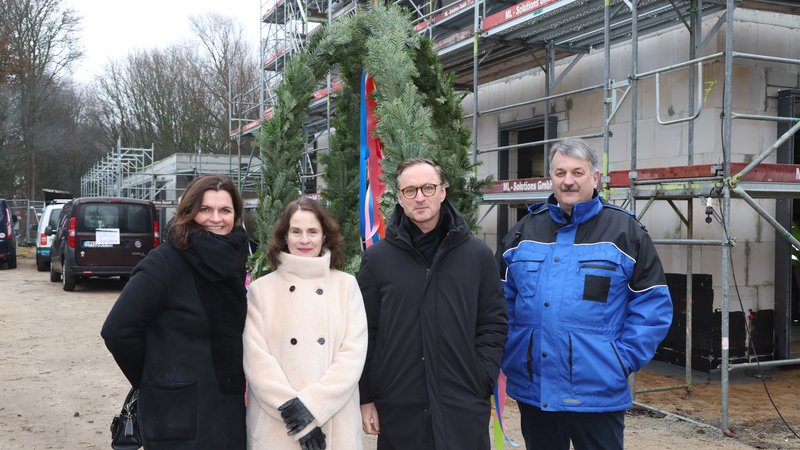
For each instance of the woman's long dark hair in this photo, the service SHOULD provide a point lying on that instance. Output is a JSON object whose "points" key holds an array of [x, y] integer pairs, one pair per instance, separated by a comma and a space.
{"points": [[184, 226], [332, 236]]}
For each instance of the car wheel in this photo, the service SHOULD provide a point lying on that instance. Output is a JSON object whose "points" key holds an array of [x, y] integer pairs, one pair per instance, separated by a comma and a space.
{"points": [[12, 261], [55, 277], [67, 279], [41, 264], [125, 278]]}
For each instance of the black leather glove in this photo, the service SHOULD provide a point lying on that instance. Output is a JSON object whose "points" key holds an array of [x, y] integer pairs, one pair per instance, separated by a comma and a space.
{"points": [[296, 416], [315, 440]]}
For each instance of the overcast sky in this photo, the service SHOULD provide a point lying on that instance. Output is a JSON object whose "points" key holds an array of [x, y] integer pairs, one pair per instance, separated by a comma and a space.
{"points": [[112, 29]]}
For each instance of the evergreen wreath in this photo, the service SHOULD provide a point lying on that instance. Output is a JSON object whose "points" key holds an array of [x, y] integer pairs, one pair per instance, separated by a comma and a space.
{"points": [[418, 110]]}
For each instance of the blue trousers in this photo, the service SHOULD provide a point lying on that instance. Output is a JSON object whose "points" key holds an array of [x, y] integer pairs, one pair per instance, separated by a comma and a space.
{"points": [[548, 430]]}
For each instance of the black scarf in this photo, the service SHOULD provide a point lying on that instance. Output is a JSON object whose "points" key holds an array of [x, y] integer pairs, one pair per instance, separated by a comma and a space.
{"points": [[427, 244], [219, 271]]}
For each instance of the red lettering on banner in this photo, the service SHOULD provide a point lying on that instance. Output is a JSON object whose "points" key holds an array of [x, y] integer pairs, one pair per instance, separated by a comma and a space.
{"points": [[444, 14], [520, 9]]}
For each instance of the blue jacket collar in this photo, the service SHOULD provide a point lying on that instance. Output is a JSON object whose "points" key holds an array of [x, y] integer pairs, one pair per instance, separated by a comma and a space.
{"points": [[581, 212]]}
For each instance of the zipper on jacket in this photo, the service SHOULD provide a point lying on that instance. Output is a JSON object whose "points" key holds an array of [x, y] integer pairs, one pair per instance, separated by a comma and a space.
{"points": [[619, 360], [529, 358], [570, 358], [439, 252], [597, 266]]}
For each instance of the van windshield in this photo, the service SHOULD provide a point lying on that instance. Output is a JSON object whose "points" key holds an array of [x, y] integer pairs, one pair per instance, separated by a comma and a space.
{"points": [[127, 218]]}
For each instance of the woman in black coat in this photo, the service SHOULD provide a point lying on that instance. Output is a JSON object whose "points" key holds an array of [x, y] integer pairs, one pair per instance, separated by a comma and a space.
{"points": [[176, 329]]}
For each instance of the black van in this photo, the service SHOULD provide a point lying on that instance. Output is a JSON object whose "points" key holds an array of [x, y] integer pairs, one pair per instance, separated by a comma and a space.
{"points": [[102, 237], [8, 242]]}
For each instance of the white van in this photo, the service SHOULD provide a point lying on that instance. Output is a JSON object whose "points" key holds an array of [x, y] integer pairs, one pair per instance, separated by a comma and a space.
{"points": [[48, 223]]}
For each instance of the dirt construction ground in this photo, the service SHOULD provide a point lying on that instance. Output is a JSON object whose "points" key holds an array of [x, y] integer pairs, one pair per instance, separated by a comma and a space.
{"points": [[59, 387]]}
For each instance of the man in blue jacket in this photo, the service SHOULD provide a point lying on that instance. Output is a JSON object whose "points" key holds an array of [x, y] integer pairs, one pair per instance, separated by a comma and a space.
{"points": [[588, 305]]}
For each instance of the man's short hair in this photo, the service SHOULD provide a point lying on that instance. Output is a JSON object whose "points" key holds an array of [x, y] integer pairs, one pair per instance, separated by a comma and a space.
{"points": [[575, 148], [418, 160]]}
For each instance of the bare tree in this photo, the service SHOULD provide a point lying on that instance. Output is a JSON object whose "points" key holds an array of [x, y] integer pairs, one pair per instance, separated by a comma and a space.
{"points": [[230, 65], [7, 58], [67, 132], [157, 97], [41, 42], [9, 99], [176, 98]]}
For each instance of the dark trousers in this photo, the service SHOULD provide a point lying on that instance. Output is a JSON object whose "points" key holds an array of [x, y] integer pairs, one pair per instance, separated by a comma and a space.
{"points": [[588, 431]]}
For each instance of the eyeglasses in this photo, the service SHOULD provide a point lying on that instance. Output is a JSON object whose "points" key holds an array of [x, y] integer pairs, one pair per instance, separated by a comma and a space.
{"points": [[427, 190]]}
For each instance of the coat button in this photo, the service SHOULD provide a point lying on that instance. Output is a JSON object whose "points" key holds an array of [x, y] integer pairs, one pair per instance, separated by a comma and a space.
{"points": [[556, 259], [544, 405], [291, 288], [319, 291], [321, 341], [546, 304], [544, 354], [293, 341]]}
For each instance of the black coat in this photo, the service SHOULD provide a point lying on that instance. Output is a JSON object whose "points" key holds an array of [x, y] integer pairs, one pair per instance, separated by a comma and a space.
{"points": [[436, 337], [182, 352]]}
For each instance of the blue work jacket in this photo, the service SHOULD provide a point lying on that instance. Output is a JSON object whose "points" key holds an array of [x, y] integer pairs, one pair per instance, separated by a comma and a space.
{"points": [[588, 304]]}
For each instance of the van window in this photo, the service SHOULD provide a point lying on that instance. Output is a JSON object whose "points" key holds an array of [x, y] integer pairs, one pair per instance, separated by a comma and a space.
{"points": [[94, 216], [137, 219], [127, 218], [53, 220]]}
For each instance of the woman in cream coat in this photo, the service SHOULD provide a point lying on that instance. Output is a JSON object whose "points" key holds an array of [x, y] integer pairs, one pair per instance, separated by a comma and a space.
{"points": [[305, 339]]}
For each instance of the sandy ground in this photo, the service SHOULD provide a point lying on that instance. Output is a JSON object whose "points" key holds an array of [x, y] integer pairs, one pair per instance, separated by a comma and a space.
{"points": [[59, 387]]}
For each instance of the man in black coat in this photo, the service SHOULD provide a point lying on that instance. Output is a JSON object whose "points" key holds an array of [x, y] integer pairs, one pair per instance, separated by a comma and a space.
{"points": [[437, 323]]}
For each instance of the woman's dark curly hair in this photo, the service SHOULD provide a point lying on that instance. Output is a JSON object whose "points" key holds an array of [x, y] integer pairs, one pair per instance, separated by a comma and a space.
{"points": [[184, 226], [332, 236]]}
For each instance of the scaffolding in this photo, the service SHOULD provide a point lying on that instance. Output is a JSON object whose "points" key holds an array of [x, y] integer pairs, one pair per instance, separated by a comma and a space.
{"points": [[106, 177], [285, 30], [481, 41], [132, 173]]}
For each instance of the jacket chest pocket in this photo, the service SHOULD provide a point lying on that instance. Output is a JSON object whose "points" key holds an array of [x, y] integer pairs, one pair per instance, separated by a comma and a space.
{"points": [[525, 272], [598, 276]]}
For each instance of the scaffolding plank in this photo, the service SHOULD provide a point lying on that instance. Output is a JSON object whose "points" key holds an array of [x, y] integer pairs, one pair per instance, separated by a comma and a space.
{"points": [[275, 14], [522, 11], [764, 181], [783, 173], [450, 14]]}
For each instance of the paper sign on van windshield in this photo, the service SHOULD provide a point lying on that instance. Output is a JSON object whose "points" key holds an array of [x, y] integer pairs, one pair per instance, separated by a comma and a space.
{"points": [[107, 236]]}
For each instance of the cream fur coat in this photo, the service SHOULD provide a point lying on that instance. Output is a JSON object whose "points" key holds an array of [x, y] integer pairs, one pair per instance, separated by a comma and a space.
{"points": [[305, 336]]}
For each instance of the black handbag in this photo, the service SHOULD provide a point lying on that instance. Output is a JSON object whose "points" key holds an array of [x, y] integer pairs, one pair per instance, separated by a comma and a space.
{"points": [[125, 427]]}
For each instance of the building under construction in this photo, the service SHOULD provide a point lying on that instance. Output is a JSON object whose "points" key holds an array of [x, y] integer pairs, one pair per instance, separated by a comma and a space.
{"points": [[693, 105], [132, 172]]}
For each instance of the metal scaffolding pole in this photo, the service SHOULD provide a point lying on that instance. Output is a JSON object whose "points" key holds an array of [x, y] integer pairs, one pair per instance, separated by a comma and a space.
{"points": [[476, 33], [606, 91], [634, 93], [695, 32], [727, 101], [549, 85]]}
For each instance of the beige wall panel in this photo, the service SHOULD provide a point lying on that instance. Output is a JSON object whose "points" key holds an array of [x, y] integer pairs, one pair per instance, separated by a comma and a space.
{"points": [[759, 266]]}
